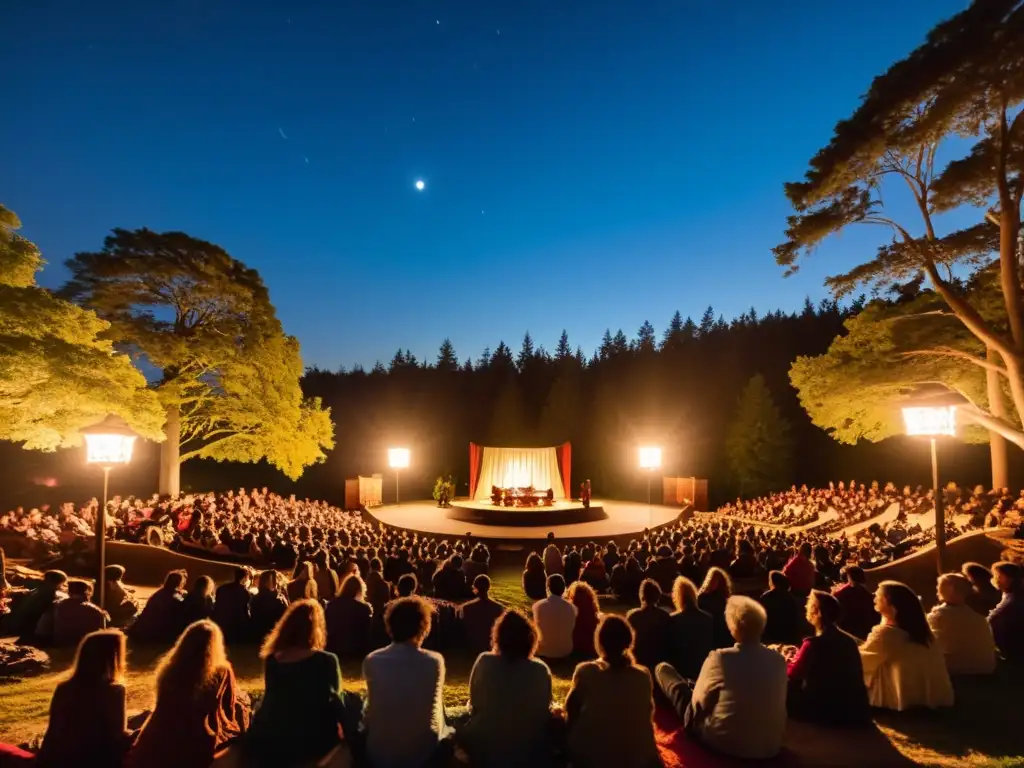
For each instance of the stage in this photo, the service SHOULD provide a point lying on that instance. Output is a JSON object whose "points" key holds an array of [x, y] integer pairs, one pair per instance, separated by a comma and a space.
{"points": [[485, 521]]}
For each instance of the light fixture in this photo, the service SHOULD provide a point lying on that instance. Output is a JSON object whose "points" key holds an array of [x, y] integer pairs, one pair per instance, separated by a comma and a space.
{"points": [[398, 459]]}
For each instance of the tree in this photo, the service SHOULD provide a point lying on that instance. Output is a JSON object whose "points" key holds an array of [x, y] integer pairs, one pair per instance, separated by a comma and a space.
{"points": [[501, 361], [966, 80], [560, 415], [57, 372], [620, 344], [484, 360], [446, 359], [229, 375], [526, 352], [707, 322], [646, 341], [758, 442], [508, 426], [606, 349], [563, 351], [672, 337]]}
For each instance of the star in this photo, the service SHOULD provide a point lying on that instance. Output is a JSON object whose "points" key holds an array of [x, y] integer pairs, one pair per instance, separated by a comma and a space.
{"points": [[420, 185]]}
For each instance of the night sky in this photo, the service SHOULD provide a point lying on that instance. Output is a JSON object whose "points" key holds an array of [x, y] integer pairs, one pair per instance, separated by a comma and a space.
{"points": [[587, 164]]}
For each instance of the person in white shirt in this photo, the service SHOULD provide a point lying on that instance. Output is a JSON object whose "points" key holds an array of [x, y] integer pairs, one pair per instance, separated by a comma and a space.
{"points": [[555, 618], [553, 557], [403, 715], [738, 704], [962, 633]]}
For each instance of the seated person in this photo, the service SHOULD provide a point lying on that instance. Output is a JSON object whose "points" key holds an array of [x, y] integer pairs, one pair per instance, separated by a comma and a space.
{"points": [[588, 616], [163, 616], [737, 706], [785, 613], [198, 709], [449, 581], [198, 602], [858, 615], [303, 703], [39, 602], [961, 632], [478, 616], [268, 605], [826, 682], [650, 627], [87, 723], [610, 707], [303, 585], [555, 618], [405, 678], [118, 600], [712, 598], [76, 617], [1007, 618], [690, 630], [378, 591], [903, 665], [231, 606], [348, 620], [534, 578], [509, 700], [984, 594]]}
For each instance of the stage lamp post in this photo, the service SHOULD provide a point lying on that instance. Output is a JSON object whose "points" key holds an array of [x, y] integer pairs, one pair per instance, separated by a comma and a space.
{"points": [[398, 459], [108, 444], [650, 459], [933, 420]]}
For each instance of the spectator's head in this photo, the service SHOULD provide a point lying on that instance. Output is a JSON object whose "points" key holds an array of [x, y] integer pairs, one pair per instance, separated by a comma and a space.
{"points": [[980, 576], [898, 603], [203, 587], [407, 584], [302, 627], [583, 596], [953, 588], [650, 593], [175, 580], [303, 570], [514, 636], [1007, 577], [853, 574], [100, 658], [407, 620], [455, 561], [534, 563], [79, 588], [556, 584], [352, 588], [376, 565], [745, 619], [482, 585], [614, 641], [716, 580], [822, 610], [268, 580], [778, 581], [684, 594], [551, 537], [241, 575], [190, 666], [55, 579], [805, 549], [113, 573]]}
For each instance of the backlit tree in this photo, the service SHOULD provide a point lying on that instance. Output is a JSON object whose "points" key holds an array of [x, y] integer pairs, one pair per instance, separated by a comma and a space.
{"points": [[758, 443]]}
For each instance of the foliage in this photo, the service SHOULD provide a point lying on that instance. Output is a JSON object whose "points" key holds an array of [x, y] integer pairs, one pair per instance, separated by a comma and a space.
{"points": [[758, 442], [206, 321], [444, 489], [57, 374]]}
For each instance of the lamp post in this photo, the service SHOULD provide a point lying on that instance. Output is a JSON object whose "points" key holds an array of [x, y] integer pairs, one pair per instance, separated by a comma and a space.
{"points": [[933, 421], [107, 444], [650, 459], [398, 458]]}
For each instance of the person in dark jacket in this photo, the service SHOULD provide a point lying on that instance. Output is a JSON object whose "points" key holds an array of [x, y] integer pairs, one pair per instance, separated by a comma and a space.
{"points": [[198, 603], [268, 605], [690, 631], [348, 620], [76, 617], [478, 616], [231, 609], [650, 627], [450, 581], [39, 602], [984, 596], [785, 613], [826, 679], [163, 618], [378, 591], [712, 598], [858, 614], [535, 580], [1007, 618]]}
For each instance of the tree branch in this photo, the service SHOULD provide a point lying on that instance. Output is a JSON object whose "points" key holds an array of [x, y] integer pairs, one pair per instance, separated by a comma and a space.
{"points": [[957, 354], [993, 424]]}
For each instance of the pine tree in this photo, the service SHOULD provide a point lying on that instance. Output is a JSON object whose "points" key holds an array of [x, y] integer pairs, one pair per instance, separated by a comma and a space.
{"points": [[563, 351], [508, 425], [672, 337], [707, 322], [467, 366], [446, 359], [526, 352], [501, 360], [484, 360], [379, 369], [620, 344], [398, 361], [758, 442], [690, 330], [605, 350], [646, 341]]}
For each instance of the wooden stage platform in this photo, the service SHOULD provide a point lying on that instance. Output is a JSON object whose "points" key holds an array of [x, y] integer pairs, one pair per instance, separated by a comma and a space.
{"points": [[618, 519]]}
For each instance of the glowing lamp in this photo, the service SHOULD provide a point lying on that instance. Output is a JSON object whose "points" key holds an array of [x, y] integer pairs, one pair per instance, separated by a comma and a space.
{"points": [[109, 443], [398, 458], [930, 421], [650, 457]]}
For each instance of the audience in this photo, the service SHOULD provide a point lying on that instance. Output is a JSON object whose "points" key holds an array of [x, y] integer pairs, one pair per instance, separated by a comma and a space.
{"points": [[348, 620], [1007, 618], [690, 630], [857, 614], [198, 602], [534, 578], [75, 617], [37, 604], [903, 665], [510, 721], [268, 605], [800, 571], [479, 616], [712, 599], [610, 707], [553, 557], [232, 607], [199, 709], [164, 616], [118, 600], [650, 627], [786, 624], [378, 591], [826, 681], [985, 596], [87, 712], [555, 618], [303, 585], [962, 634], [737, 705], [588, 616]]}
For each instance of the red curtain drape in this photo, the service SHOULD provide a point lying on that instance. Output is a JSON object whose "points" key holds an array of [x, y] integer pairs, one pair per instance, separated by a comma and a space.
{"points": [[566, 451], [474, 468]]}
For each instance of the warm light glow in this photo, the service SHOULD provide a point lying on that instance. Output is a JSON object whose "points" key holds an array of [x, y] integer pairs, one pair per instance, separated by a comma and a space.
{"points": [[420, 184], [109, 442], [650, 457], [930, 421], [398, 458]]}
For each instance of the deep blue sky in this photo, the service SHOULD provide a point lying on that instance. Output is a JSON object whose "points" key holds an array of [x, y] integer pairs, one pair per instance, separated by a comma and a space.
{"points": [[589, 164]]}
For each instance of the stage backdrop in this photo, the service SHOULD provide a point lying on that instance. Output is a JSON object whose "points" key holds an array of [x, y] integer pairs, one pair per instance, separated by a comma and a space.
{"points": [[519, 468]]}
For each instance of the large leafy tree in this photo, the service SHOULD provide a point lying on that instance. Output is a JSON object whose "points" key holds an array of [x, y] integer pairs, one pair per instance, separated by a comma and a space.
{"points": [[758, 442], [966, 80], [57, 374], [229, 376]]}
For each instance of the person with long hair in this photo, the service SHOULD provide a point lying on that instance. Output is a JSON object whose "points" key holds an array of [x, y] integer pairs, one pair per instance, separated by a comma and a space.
{"points": [[535, 578], [588, 616], [268, 604], [690, 630], [509, 699], [303, 703], [199, 707], [984, 595], [610, 707], [349, 617], [712, 598], [198, 604], [87, 723], [903, 665], [303, 585]]}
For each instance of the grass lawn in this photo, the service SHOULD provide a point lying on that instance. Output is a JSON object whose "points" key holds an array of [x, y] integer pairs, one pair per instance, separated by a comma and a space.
{"points": [[985, 728]]}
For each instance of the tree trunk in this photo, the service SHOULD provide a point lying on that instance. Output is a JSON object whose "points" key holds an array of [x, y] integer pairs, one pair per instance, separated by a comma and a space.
{"points": [[997, 443], [170, 465]]}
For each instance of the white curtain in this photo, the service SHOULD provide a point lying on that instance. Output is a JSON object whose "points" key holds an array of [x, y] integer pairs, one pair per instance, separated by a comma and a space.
{"points": [[519, 468]]}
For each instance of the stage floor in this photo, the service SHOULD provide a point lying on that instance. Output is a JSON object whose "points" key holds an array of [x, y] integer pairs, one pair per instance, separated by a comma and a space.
{"points": [[622, 518]]}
